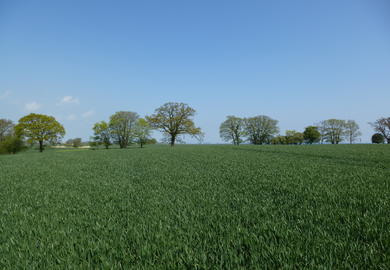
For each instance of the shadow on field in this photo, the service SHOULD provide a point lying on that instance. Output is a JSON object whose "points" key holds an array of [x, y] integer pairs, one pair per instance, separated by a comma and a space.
{"points": [[346, 160]]}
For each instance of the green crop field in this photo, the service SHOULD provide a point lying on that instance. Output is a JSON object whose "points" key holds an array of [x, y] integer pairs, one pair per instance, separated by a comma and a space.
{"points": [[197, 207]]}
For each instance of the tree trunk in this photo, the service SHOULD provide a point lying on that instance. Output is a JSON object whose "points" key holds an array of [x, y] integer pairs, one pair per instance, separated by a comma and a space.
{"points": [[40, 146], [173, 139]]}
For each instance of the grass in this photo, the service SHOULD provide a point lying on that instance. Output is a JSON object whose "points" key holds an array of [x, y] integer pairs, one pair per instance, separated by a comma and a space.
{"points": [[197, 207]]}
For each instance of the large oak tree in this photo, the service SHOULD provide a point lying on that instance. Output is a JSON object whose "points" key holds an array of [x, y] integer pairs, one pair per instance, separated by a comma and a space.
{"points": [[40, 128], [174, 119]]}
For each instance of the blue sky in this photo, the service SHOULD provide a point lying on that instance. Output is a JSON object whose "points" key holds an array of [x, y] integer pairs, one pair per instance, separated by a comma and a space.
{"points": [[299, 62]]}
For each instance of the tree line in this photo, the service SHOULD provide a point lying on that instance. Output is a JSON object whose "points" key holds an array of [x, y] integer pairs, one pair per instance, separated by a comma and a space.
{"points": [[174, 120], [125, 127], [263, 129]]}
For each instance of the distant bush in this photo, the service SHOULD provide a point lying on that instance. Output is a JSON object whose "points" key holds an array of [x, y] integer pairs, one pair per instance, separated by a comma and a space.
{"points": [[279, 140], [11, 145], [377, 138], [76, 142], [151, 141]]}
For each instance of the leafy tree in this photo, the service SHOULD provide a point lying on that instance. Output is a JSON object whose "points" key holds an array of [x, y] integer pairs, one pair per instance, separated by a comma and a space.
{"points": [[294, 137], [151, 141], [260, 129], [142, 132], [382, 126], [377, 138], [11, 144], [102, 134], [40, 128], [76, 142], [174, 119], [322, 129], [6, 128], [279, 140], [311, 134], [334, 130], [352, 131], [122, 125], [232, 129]]}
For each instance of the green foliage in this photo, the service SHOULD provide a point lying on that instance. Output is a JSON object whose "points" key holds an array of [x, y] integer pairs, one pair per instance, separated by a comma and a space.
{"points": [[76, 142], [142, 132], [122, 127], [382, 126], [311, 134], [102, 134], [260, 129], [6, 128], [377, 138], [279, 140], [197, 207], [174, 119], [352, 131], [11, 145], [40, 128], [294, 137], [151, 141], [232, 130]]}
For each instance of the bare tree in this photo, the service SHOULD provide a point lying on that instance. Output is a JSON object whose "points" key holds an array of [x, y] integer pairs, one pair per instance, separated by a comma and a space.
{"points": [[352, 131], [382, 126], [174, 119], [232, 129]]}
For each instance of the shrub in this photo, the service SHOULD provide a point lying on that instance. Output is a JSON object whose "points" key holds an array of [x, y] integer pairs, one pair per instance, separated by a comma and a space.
{"points": [[11, 145], [377, 138]]}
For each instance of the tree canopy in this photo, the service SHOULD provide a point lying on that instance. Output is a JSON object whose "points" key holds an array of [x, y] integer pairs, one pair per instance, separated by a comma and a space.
{"points": [[260, 129], [142, 132], [377, 138], [122, 125], [40, 128], [102, 133], [311, 134], [174, 119], [232, 129]]}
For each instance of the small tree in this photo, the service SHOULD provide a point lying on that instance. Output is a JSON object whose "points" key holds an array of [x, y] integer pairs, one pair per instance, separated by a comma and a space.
{"points": [[142, 132], [382, 126], [6, 128], [377, 138], [174, 119], [311, 134], [294, 137], [122, 126], [11, 144], [102, 134], [40, 128], [76, 142], [232, 129], [352, 131]]}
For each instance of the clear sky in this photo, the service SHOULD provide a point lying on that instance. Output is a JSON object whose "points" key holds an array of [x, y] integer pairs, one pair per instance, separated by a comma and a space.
{"points": [[298, 61]]}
